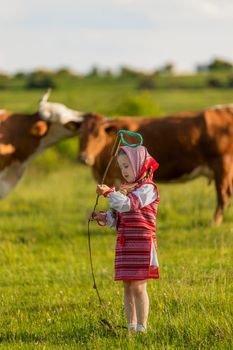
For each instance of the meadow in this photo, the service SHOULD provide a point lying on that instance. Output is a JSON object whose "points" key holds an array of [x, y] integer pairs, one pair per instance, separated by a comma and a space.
{"points": [[46, 296]]}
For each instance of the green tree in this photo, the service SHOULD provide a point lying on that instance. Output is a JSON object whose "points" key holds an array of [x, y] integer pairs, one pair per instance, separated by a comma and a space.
{"points": [[146, 83], [215, 82], [41, 80], [127, 72], [4, 81], [141, 104], [219, 64]]}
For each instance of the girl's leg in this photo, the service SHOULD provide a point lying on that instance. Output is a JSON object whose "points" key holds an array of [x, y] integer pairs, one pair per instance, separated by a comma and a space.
{"points": [[129, 304], [141, 302]]}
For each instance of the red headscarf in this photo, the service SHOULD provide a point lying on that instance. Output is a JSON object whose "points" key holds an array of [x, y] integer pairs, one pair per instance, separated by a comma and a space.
{"points": [[140, 160]]}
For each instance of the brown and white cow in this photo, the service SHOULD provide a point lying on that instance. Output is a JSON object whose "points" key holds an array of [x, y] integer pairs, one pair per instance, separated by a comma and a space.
{"points": [[186, 145], [23, 136]]}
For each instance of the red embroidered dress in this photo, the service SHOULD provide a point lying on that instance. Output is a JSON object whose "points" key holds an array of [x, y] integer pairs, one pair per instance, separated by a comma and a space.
{"points": [[136, 236], [134, 216]]}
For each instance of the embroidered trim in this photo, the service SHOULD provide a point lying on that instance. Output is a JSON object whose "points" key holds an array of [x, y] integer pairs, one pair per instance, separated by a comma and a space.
{"points": [[112, 189]]}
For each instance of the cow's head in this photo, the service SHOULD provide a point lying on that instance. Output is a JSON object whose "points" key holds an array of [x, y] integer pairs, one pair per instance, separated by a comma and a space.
{"points": [[56, 121], [23, 135], [57, 112], [95, 132]]}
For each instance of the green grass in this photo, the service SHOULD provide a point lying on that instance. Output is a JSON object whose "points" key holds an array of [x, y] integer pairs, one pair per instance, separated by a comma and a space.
{"points": [[105, 97], [46, 296]]}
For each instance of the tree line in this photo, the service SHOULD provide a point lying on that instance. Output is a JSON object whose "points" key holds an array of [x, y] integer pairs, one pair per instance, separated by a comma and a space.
{"points": [[218, 73]]}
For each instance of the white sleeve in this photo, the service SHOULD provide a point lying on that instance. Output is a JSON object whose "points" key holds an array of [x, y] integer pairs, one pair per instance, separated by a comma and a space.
{"points": [[119, 201], [111, 221], [146, 194]]}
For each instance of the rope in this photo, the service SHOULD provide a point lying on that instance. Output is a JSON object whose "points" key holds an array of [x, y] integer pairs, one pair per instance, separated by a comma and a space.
{"points": [[131, 133], [114, 151]]}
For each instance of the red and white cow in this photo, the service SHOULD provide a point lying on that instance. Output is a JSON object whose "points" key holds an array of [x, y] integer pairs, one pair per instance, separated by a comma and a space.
{"points": [[186, 145], [23, 136]]}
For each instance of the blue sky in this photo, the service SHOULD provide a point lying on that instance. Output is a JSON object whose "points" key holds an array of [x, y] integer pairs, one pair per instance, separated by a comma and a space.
{"points": [[142, 34]]}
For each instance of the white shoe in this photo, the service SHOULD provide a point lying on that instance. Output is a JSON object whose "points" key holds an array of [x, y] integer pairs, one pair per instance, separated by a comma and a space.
{"points": [[140, 328], [132, 327]]}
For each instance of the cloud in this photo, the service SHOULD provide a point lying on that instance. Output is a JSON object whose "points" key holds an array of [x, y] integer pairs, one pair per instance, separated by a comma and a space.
{"points": [[102, 13], [142, 34]]}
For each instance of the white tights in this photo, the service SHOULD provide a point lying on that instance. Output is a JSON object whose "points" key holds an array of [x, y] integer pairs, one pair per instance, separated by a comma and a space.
{"points": [[136, 303]]}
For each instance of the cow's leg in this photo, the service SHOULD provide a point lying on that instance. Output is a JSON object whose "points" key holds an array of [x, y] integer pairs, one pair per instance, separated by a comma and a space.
{"points": [[223, 173]]}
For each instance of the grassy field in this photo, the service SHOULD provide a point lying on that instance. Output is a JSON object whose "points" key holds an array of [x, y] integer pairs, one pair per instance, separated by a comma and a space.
{"points": [[46, 295], [47, 299], [106, 97]]}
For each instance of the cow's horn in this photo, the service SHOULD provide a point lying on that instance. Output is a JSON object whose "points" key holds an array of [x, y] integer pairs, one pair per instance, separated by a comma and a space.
{"points": [[45, 97]]}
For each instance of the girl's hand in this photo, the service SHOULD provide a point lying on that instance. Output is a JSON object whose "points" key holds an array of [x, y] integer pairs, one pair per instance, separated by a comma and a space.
{"points": [[127, 188], [102, 189], [124, 191], [99, 217], [92, 216]]}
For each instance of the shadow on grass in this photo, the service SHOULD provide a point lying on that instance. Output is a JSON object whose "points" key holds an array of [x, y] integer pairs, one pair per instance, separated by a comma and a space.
{"points": [[74, 335]]}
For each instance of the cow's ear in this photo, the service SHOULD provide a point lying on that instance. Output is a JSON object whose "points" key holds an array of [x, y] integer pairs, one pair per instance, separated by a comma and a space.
{"points": [[39, 128], [111, 129]]}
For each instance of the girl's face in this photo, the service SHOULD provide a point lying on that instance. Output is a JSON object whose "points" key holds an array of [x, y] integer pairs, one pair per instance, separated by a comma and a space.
{"points": [[126, 168]]}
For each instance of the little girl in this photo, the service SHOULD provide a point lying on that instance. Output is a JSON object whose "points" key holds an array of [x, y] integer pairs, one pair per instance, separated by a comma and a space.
{"points": [[133, 212]]}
